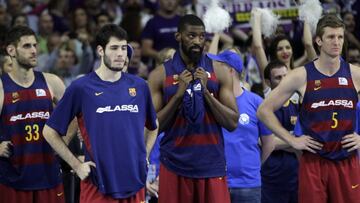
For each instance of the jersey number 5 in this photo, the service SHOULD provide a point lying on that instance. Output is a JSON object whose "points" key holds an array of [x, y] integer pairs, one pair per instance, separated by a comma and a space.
{"points": [[335, 120], [32, 132]]}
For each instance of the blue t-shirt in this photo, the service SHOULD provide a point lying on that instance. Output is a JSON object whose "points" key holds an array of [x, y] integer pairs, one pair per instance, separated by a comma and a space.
{"points": [[162, 31], [111, 117], [242, 152]]}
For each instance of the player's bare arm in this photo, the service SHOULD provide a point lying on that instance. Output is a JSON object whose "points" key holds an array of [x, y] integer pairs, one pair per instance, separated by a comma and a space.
{"points": [[57, 89], [267, 146], [150, 139], [295, 80], [82, 169], [225, 109], [352, 141], [4, 145], [167, 113]]}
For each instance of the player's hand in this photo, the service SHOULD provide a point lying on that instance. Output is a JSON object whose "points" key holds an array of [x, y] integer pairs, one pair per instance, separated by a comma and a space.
{"points": [[351, 142], [83, 169], [184, 80], [5, 150], [307, 143], [201, 74], [153, 187]]}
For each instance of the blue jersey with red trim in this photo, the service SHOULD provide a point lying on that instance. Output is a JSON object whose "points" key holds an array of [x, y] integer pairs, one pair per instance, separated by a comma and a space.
{"points": [[112, 117], [32, 165], [328, 109], [280, 170], [192, 149]]}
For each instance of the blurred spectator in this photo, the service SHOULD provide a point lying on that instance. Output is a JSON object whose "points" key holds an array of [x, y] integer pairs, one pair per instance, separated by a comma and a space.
{"points": [[102, 19], [353, 54], [349, 21], [132, 19], [113, 9], [4, 16], [15, 7], [57, 10], [159, 31], [136, 66], [20, 19], [92, 7], [45, 29], [5, 64]]}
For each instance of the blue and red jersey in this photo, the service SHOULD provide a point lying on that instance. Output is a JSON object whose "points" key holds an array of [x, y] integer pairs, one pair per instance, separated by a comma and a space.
{"points": [[33, 164], [111, 117], [280, 170], [192, 149], [328, 109]]}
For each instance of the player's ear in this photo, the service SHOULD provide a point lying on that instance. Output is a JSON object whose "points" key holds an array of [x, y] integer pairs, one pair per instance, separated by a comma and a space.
{"points": [[100, 50], [10, 50], [178, 36], [318, 41]]}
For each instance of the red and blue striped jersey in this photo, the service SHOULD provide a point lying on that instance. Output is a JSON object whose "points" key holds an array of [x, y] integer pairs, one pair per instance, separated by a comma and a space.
{"points": [[192, 149], [23, 116], [328, 109]]}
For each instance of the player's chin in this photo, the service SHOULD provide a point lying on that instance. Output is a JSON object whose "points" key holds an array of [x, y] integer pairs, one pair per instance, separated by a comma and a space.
{"points": [[116, 68]]}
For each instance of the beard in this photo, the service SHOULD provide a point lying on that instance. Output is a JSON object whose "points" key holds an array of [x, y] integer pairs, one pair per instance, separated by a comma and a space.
{"points": [[107, 63], [25, 63], [194, 56]]}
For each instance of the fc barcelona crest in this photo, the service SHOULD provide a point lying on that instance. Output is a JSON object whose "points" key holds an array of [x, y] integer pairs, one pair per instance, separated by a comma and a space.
{"points": [[132, 92], [15, 95]]}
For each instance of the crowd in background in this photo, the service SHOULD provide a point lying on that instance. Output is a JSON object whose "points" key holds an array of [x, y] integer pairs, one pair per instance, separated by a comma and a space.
{"points": [[66, 28]]}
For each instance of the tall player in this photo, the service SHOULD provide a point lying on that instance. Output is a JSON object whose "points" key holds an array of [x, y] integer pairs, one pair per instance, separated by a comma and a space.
{"points": [[193, 98], [112, 108], [329, 168], [29, 170]]}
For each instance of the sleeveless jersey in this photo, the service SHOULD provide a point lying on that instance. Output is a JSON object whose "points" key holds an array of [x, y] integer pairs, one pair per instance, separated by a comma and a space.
{"points": [[280, 170], [32, 165], [328, 109], [192, 149]]}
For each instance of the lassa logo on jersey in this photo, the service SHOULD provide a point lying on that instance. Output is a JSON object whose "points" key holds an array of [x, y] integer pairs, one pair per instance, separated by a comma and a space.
{"points": [[130, 108], [340, 102], [41, 114]]}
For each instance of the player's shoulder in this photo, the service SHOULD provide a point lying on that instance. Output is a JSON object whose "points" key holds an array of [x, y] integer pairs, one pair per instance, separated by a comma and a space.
{"points": [[253, 97], [157, 74], [52, 79]]}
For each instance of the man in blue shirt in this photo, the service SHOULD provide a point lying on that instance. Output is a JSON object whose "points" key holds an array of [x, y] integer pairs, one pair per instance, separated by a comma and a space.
{"points": [[112, 109], [242, 151]]}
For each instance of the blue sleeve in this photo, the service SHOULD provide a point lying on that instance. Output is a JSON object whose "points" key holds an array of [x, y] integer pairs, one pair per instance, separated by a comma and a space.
{"points": [[298, 131], [149, 30], [150, 110], [357, 125], [264, 131], [66, 110]]}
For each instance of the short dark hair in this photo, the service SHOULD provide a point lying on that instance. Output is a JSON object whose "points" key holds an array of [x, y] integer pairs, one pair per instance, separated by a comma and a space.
{"points": [[15, 33], [189, 19], [328, 20], [107, 31], [272, 65]]}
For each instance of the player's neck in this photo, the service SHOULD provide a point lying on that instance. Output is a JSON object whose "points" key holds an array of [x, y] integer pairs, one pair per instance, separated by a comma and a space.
{"points": [[327, 64], [166, 14], [237, 89], [22, 76], [188, 63], [107, 74]]}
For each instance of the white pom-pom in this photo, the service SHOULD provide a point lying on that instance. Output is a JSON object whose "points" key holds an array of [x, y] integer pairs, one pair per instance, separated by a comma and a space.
{"points": [[269, 22], [310, 11], [216, 19]]}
